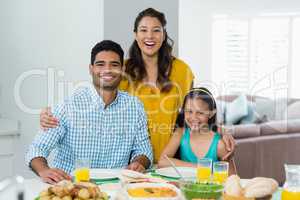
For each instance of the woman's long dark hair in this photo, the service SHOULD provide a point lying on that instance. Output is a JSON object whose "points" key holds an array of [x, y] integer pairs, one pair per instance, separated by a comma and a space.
{"points": [[206, 96], [135, 66]]}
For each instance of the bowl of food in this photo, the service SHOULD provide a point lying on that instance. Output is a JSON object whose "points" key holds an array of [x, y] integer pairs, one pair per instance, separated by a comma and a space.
{"points": [[191, 189], [152, 191]]}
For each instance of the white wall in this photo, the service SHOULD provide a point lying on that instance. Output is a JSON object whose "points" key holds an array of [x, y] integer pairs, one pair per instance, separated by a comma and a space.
{"points": [[56, 37], [37, 35], [195, 26], [119, 19]]}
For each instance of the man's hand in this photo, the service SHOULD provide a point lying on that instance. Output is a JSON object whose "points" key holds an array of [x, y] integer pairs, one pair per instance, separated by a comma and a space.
{"points": [[49, 175], [136, 166], [53, 175]]}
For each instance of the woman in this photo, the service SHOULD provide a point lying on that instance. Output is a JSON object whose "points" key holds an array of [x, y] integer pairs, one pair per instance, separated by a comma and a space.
{"points": [[155, 76]]}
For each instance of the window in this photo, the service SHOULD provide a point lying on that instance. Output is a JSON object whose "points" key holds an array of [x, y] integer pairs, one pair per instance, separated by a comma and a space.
{"points": [[256, 55]]}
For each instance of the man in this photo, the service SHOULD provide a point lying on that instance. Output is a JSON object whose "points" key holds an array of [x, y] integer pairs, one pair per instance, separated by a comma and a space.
{"points": [[99, 123]]}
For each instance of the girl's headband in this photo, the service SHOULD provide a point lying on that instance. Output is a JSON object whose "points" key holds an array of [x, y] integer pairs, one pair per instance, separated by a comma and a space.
{"points": [[202, 90]]}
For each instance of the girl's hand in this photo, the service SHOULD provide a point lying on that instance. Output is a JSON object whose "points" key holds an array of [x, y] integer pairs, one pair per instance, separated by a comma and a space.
{"points": [[47, 120]]}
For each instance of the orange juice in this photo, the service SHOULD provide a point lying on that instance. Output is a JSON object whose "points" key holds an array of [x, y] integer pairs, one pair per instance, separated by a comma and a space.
{"points": [[290, 194], [220, 177], [203, 173], [82, 174]]}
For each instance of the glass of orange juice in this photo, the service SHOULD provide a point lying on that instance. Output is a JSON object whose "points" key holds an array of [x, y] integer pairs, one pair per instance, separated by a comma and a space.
{"points": [[82, 170], [204, 169], [290, 193], [291, 188], [220, 171]]}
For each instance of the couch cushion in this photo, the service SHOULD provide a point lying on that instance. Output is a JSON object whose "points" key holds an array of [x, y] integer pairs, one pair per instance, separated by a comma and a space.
{"points": [[293, 111], [280, 127], [236, 110], [244, 131]]}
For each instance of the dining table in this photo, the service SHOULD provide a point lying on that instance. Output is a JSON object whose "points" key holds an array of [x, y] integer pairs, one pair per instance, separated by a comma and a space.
{"points": [[113, 187]]}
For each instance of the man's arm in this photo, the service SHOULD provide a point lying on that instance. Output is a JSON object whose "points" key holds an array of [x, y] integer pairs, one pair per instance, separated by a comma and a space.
{"points": [[49, 175], [38, 164], [41, 147], [141, 156]]}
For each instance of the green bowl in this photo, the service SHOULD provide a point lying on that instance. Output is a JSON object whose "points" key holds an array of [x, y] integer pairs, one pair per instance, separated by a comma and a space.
{"points": [[193, 190]]}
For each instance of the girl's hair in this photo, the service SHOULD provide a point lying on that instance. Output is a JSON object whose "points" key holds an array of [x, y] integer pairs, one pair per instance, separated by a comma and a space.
{"points": [[135, 65], [206, 96]]}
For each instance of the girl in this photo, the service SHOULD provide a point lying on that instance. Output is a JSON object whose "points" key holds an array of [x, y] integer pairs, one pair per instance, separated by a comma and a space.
{"points": [[154, 75], [196, 136]]}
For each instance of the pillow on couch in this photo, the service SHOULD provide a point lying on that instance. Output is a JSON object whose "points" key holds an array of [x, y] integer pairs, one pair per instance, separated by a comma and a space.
{"points": [[221, 107], [250, 118], [264, 109], [236, 110], [292, 111]]}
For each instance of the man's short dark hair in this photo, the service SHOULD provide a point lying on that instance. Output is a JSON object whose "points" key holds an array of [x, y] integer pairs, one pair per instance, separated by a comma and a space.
{"points": [[107, 45]]}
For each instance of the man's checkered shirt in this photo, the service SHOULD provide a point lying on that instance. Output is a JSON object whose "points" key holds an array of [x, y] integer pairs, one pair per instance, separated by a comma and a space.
{"points": [[109, 136]]}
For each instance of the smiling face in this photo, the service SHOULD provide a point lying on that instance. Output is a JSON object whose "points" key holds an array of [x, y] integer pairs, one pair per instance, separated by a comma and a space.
{"points": [[197, 114], [106, 70], [149, 36]]}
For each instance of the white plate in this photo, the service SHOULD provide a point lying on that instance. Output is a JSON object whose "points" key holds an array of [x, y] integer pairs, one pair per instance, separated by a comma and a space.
{"points": [[104, 174], [186, 172], [139, 185]]}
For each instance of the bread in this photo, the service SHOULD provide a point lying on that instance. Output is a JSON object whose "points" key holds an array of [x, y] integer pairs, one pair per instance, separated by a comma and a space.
{"points": [[233, 186], [260, 187]]}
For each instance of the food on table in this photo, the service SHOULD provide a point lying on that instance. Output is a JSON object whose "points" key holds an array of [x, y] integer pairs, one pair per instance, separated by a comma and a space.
{"points": [[129, 176], [258, 188], [233, 186], [66, 190], [151, 192], [133, 174], [195, 190]]}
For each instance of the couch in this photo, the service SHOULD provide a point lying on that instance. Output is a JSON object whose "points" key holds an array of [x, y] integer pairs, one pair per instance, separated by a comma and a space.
{"points": [[270, 140]]}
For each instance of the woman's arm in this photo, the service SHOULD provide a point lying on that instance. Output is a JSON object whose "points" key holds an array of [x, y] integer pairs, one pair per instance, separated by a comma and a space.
{"points": [[170, 151], [222, 151], [228, 140]]}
